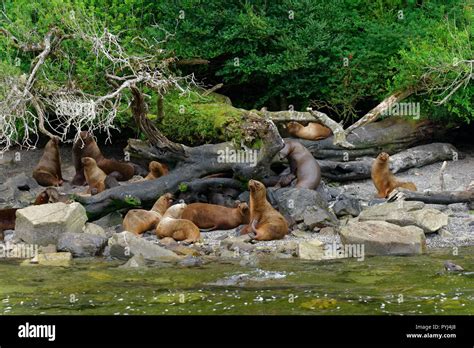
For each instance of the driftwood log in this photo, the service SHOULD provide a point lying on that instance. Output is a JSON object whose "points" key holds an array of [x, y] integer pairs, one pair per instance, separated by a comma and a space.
{"points": [[414, 157], [440, 197]]}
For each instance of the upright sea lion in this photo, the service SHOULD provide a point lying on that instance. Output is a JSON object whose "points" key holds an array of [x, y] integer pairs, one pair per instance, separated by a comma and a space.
{"points": [[384, 181], [87, 147], [48, 170], [172, 225], [265, 222], [139, 221], [156, 170], [303, 164], [313, 131], [95, 176], [216, 217]]}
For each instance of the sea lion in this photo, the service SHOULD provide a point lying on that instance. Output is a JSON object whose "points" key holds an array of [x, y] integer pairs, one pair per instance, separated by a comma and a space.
{"points": [[156, 170], [51, 195], [384, 181], [7, 220], [302, 164], [139, 221], [265, 222], [95, 176], [216, 217], [313, 131], [172, 225], [87, 147], [48, 170]]}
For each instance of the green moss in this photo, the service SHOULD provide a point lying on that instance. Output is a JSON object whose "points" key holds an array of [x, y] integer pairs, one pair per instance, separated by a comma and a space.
{"points": [[183, 187]]}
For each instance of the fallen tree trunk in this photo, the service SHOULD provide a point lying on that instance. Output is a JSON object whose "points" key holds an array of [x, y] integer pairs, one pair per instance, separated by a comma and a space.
{"points": [[414, 157], [392, 135], [440, 197]]}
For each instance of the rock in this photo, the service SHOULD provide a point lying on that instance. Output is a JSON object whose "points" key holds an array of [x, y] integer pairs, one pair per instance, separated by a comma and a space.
{"points": [[7, 194], [346, 205], [55, 259], [411, 213], [227, 254], [110, 220], [137, 261], [301, 234], [81, 244], [124, 245], [459, 207], [9, 236], [289, 247], [383, 238], [94, 229], [183, 250], [327, 231], [43, 224], [249, 260], [22, 182], [304, 206], [311, 250], [190, 261], [444, 233], [440, 207], [48, 249]]}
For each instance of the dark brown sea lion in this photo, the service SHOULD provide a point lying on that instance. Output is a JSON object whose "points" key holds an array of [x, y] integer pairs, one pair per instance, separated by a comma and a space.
{"points": [[216, 217], [48, 170], [156, 170]]}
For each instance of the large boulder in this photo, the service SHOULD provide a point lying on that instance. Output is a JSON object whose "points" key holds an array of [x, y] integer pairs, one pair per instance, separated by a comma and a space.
{"points": [[311, 250], [81, 244], [44, 224], [346, 205], [125, 245], [409, 213], [305, 207], [383, 238]]}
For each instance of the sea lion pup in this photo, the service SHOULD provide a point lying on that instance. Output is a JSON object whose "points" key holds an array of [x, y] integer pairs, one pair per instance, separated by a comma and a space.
{"points": [[302, 164], [172, 225], [48, 170], [384, 181], [216, 217], [156, 170], [265, 222], [139, 221], [95, 176], [51, 195], [87, 147], [313, 131]]}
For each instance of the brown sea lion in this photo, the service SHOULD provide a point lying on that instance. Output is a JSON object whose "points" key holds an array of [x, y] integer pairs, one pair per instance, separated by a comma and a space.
{"points": [[384, 181], [139, 221], [95, 176], [313, 131], [156, 170], [7, 220], [216, 217], [87, 147], [48, 170], [172, 225], [265, 222], [302, 164]]}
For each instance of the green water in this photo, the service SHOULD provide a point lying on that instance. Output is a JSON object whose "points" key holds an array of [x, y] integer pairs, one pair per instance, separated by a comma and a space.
{"points": [[377, 285]]}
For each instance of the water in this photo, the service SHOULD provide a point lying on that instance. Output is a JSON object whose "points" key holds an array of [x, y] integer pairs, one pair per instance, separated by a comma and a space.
{"points": [[378, 285]]}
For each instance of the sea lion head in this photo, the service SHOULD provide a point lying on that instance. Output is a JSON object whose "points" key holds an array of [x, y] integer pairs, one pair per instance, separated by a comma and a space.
{"points": [[88, 161], [156, 168], [175, 211], [244, 210], [257, 188], [293, 126], [165, 201], [86, 137], [383, 156]]}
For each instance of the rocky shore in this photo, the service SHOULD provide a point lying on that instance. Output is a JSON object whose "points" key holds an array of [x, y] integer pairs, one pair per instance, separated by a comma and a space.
{"points": [[333, 222]]}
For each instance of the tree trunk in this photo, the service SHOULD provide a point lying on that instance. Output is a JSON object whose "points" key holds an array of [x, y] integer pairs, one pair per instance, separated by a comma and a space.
{"points": [[417, 156], [440, 197]]}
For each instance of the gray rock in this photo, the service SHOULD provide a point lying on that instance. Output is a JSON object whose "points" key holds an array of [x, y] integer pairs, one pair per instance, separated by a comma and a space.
{"points": [[7, 195], [383, 238], [346, 205], [110, 220], [191, 261], [94, 229], [459, 207], [81, 244], [305, 206], [409, 213], [44, 224], [137, 261], [124, 245], [311, 250], [22, 182]]}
